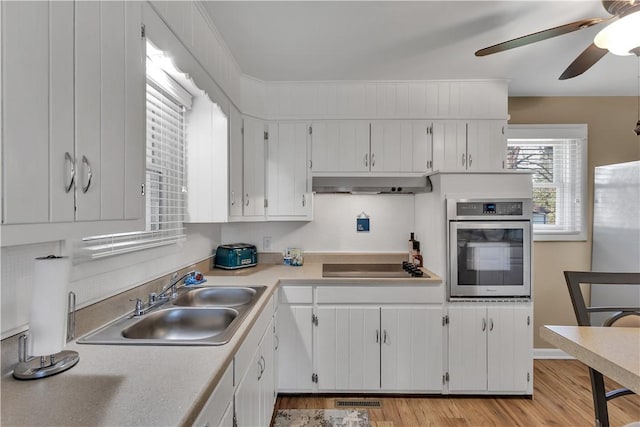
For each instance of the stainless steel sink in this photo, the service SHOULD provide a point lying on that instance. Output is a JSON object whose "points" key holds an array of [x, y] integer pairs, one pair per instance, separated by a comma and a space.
{"points": [[216, 296], [198, 316], [182, 324]]}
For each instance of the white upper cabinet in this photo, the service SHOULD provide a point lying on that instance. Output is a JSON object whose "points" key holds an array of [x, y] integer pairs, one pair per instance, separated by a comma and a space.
{"points": [[288, 179], [235, 163], [340, 146], [377, 147], [72, 117], [402, 146], [253, 168], [207, 160], [469, 145]]}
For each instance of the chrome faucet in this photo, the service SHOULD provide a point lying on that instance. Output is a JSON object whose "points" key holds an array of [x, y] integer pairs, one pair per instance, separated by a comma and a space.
{"points": [[172, 285]]}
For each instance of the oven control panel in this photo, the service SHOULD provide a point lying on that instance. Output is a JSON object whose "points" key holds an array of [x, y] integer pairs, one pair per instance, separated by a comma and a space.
{"points": [[487, 208]]}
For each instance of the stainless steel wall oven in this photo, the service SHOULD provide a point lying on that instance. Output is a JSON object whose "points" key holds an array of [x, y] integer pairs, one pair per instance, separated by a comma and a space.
{"points": [[489, 248]]}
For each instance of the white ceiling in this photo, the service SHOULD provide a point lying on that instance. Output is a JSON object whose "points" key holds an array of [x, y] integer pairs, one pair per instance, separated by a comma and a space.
{"points": [[419, 40]]}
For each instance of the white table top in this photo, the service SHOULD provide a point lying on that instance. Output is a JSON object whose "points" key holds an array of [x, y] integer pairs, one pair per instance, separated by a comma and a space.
{"points": [[614, 351]]}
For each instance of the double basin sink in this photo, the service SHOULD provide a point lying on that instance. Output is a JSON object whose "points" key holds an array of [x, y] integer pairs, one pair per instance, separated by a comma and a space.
{"points": [[197, 316]]}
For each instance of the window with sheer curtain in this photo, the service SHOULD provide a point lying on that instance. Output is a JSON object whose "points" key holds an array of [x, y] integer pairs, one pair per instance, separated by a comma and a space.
{"points": [[557, 157]]}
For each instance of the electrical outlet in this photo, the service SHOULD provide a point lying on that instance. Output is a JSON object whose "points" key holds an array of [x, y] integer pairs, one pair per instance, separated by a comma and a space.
{"points": [[266, 243]]}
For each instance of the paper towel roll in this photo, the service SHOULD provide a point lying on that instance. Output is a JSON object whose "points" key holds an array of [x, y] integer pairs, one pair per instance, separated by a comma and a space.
{"points": [[49, 305]]}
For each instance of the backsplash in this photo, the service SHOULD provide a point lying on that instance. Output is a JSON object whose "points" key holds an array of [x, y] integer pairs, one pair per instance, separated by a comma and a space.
{"points": [[333, 228]]}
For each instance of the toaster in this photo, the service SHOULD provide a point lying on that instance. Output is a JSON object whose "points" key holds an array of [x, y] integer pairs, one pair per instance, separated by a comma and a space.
{"points": [[236, 255]]}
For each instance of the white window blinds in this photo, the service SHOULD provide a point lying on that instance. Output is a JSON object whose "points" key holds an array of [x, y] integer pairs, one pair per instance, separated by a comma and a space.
{"points": [[166, 169], [557, 157], [165, 186]]}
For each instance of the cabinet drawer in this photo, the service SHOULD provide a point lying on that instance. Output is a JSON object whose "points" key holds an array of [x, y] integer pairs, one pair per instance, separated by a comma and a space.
{"points": [[296, 295], [214, 409], [379, 294], [243, 357]]}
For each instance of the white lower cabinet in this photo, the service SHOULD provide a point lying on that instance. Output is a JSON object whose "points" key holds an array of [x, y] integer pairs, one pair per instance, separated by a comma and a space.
{"points": [[218, 411], [294, 342], [411, 348], [490, 348], [255, 389], [348, 352], [379, 348]]}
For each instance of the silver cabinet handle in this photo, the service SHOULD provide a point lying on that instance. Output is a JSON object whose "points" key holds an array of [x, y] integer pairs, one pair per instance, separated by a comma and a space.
{"points": [[377, 336], [85, 162], [470, 160], [233, 198], [384, 336], [261, 367], [277, 339], [373, 160], [72, 172], [490, 324], [484, 324], [246, 201], [464, 159], [366, 160]]}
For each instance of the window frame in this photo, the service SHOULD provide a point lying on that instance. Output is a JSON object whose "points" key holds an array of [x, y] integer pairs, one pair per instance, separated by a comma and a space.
{"points": [[556, 133]]}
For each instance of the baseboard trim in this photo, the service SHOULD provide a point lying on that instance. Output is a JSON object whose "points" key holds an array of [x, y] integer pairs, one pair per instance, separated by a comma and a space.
{"points": [[550, 353]]}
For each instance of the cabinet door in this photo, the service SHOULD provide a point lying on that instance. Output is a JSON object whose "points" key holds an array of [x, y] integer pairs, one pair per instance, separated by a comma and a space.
{"points": [[348, 348], [510, 351], [37, 111], [227, 418], [340, 146], [422, 158], [450, 145], [411, 348], [253, 171], [235, 163], [135, 113], [267, 392], [391, 145], [247, 396], [467, 348], [294, 348], [287, 170], [486, 145]]}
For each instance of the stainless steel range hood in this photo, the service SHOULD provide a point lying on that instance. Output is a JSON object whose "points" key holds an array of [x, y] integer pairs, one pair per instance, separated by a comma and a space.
{"points": [[372, 185]]}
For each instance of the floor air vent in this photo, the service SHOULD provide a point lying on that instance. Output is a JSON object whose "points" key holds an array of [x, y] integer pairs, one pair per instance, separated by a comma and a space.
{"points": [[358, 404]]}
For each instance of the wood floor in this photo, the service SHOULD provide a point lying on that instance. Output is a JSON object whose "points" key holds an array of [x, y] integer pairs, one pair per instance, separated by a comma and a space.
{"points": [[562, 397]]}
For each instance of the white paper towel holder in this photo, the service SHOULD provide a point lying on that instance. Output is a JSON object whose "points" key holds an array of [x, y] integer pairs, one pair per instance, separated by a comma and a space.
{"points": [[36, 367]]}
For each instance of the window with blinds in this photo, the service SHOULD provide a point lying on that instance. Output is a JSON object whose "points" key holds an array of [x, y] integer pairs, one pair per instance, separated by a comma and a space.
{"points": [[556, 157], [166, 168], [165, 186]]}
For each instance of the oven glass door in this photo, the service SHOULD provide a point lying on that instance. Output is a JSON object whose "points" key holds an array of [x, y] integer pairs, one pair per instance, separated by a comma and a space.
{"points": [[490, 258]]}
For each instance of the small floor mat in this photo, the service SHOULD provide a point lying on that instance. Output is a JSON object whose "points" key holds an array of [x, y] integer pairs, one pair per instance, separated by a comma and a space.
{"points": [[321, 418]]}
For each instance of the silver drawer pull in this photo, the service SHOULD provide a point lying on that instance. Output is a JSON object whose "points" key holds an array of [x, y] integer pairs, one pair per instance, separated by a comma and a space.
{"points": [[85, 162], [72, 172]]}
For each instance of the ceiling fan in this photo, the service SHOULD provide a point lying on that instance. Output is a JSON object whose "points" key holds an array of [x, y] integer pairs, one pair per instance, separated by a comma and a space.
{"points": [[624, 26]]}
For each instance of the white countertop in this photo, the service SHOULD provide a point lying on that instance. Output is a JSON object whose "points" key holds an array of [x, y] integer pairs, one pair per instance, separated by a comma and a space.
{"points": [[124, 385]]}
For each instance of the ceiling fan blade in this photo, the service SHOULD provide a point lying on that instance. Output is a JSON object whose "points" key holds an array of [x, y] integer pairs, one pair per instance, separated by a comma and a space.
{"points": [[584, 61], [540, 35]]}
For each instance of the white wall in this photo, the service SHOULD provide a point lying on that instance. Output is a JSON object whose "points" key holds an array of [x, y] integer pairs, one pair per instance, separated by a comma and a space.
{"points": [[334, 226], [95, 280]]}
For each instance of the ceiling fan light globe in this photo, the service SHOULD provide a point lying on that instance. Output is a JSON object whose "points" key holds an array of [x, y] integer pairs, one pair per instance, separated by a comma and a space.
{"points": [[621, 36]]}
